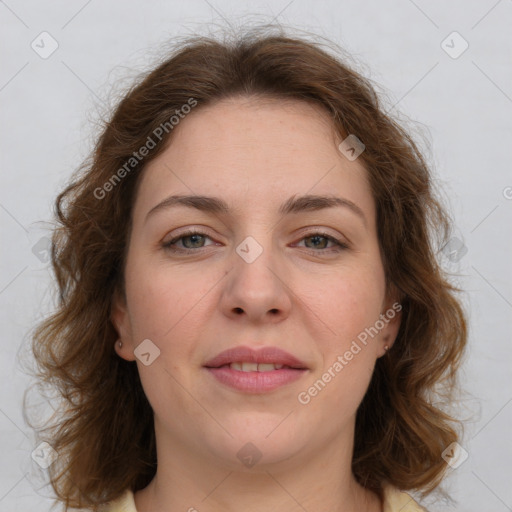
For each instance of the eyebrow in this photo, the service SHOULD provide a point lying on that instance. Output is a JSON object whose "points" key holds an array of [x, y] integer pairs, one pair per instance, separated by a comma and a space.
{"points": [[215, 205]]}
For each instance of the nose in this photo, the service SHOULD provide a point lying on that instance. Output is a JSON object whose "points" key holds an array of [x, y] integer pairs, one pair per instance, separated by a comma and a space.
{"points": [[257, 290]]}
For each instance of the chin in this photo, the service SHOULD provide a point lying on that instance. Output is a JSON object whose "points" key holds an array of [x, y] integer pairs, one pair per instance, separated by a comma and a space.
{"points": [[260, 440]]}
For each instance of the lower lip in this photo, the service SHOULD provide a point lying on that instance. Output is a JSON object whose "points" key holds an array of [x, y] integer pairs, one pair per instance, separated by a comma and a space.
{"points": [[256, 382]]}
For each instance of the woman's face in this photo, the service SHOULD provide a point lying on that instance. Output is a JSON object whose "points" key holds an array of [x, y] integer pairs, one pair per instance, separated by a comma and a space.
{"points": [[267, 268]]}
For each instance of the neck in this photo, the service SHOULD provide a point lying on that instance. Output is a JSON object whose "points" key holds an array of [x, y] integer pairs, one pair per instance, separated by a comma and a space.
{"points": [[320, 480]]}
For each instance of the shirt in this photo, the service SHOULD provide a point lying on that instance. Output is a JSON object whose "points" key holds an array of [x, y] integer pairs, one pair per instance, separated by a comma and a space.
{"points": [[394, 501]]}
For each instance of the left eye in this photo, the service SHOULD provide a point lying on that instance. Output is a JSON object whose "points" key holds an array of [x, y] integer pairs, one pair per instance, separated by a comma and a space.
{"points": [[320, 241]]}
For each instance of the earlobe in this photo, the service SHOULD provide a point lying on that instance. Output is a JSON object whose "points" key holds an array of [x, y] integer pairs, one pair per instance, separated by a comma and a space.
{"points": [[118, 347], [392, 316], [120, 319]]}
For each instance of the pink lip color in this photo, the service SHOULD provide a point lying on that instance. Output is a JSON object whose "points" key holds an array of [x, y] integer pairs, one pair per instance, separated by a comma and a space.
{"points": [[244, 354], [255, 382]]}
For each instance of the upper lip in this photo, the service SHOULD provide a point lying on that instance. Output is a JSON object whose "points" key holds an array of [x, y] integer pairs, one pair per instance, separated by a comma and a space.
{"points": [[245, 354]]}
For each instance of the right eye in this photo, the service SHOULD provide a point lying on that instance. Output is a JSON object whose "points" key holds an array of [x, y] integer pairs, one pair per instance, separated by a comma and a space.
{"points": [[189, 241]]}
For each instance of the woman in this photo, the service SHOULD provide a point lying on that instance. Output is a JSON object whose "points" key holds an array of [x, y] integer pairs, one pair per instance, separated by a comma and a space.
{"points": [[251, 312]]}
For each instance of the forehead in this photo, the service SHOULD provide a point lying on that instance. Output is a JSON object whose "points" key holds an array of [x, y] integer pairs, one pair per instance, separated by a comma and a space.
{"points": [[255, 152]]}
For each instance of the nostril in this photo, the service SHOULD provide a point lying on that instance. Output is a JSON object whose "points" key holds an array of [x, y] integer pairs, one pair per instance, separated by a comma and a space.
{"points": [[238, 310]]}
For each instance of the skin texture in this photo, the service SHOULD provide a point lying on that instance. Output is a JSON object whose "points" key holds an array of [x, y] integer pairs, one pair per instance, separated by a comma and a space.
{"points": [[306, 298]]}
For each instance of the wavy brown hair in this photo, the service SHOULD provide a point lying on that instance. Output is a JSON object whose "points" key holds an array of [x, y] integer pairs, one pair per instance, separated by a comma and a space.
{"points": [[103, 429]]}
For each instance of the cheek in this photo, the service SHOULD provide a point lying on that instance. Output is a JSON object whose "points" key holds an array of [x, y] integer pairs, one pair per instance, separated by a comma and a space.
{"points": [[167, 307], [163, 300], [353, 308], [344, 304], [349, 305]]}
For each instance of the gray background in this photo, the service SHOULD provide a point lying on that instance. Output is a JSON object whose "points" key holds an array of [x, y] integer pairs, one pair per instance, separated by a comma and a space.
{"points": [[458, 108]]}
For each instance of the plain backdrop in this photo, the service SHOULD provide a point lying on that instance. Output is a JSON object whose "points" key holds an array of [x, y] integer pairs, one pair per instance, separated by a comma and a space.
{"points": [[457, 102]]}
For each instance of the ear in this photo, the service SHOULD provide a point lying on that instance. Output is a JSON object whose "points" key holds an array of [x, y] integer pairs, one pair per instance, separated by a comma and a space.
{"points": [[120, 318], [391, 315]]}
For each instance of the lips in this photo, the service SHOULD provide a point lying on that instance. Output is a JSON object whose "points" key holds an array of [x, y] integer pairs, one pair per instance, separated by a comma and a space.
{"points": [[254, 371], [264, 355]]}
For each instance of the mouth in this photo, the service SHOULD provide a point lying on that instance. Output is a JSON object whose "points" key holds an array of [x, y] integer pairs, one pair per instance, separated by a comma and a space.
{"points": [[254, 367], [250, 360], [255, 371]]}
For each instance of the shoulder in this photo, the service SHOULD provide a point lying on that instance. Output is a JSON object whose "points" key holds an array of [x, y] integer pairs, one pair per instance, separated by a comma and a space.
{"points": [[396, 500], [125, 503]]}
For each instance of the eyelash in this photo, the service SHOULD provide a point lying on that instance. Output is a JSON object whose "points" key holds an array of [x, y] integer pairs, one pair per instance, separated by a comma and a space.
{"points": [[340, 246]]}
